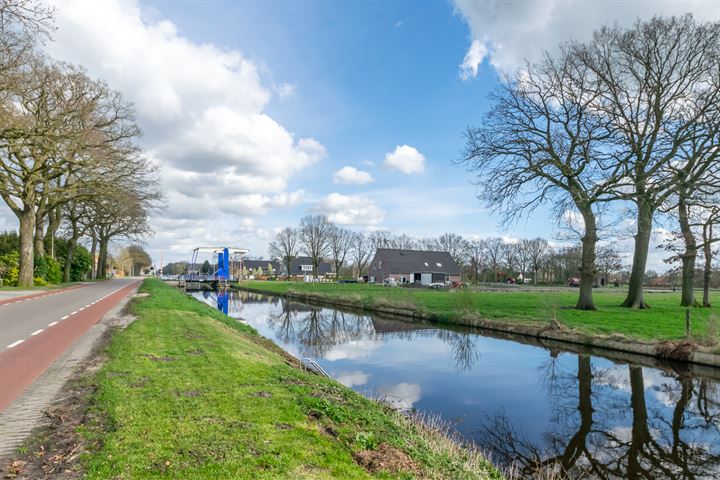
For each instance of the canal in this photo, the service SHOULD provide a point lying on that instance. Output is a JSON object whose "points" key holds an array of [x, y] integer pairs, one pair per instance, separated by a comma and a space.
{"points": [[535, 406]]}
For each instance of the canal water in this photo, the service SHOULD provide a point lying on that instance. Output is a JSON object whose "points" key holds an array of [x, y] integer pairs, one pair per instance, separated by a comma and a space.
{"points": [[526, 404]]}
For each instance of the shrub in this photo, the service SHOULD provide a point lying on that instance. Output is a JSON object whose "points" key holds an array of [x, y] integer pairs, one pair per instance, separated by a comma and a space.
{"points": [[9, 268], [48, 269], [81, 264]]}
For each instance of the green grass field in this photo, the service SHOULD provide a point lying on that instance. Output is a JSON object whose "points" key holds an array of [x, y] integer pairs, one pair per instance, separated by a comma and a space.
{"points": [[189, 393], [664, 321]]}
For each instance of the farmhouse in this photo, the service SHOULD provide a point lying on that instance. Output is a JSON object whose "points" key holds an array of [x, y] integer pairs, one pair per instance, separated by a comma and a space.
{"points": [[302, 267], [413, 266], [269, 267]]}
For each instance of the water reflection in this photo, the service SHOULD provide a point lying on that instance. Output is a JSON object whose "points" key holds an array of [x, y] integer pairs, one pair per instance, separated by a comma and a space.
{"points": [[667, 430], [537, 408]]}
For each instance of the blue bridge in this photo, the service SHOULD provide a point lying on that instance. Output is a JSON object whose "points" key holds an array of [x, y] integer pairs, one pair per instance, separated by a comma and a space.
{"points": [[225, 262]]}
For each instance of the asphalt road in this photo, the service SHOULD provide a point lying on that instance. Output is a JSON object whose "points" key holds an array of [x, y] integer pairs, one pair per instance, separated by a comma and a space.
{"points": [[36, 329]]}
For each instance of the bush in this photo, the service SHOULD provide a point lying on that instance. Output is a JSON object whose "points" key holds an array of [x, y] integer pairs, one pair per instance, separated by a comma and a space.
{"points": [[81, 264], [9, 268], [39, 282], [48, 269]]}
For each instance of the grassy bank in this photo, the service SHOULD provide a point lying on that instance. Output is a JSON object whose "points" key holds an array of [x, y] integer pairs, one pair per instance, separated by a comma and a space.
{"points": [[664, 321], [189, 393]]}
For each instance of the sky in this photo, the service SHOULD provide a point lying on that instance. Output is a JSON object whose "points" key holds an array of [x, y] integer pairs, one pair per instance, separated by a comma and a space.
{"points": [[261, 112]]}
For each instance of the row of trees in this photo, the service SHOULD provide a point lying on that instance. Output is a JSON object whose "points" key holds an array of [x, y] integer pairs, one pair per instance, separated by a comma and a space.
{"points": [[627, 123], [71, 165], [489, 259]]}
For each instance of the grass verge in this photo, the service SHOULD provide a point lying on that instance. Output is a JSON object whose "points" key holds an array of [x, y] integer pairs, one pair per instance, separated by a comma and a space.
{"points": [[664, 321], [189, 393]]}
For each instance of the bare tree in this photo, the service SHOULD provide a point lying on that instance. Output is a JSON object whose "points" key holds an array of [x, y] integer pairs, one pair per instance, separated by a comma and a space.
{"points": [[403, 242], [537, 249], [476, 254], [711, 219], [380, 239], [56, 125], [339, 245], [493, 250], [657, 82], [510, 257], [455, 245], [609, 261], [361, 252], [285, 247], [119, 215], [314, 235], [543, 142]]}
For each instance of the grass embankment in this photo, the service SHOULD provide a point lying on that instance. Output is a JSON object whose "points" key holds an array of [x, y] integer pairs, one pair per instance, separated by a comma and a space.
{"points": [[189, 393], [664, 321]]}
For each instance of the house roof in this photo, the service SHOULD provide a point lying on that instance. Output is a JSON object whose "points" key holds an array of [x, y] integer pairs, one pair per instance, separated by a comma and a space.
{"points": [[394, 260], [254, 264], [296, 267]]}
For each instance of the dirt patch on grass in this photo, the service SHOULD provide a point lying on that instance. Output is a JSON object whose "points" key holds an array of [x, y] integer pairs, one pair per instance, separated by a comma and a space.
{"points": [[386, 458], [263, 394]]}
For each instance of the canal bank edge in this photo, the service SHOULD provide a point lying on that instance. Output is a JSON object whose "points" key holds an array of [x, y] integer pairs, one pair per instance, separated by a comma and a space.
{"points": [[677, 351], [187, 392]]}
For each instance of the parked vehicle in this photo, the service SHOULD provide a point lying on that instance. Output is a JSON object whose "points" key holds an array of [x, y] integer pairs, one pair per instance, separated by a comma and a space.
{"points": [[573, 282], [390, 282]]}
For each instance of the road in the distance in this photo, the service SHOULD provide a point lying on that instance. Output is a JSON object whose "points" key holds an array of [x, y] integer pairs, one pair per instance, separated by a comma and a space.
{"points": [[38, 329]]}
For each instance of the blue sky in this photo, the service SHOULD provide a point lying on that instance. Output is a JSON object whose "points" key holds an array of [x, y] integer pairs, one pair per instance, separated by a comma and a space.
{"points": [[361, 89], [261, 112]]}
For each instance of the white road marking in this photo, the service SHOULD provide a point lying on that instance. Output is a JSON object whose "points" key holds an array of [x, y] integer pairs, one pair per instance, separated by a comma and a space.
{"points": [[15, 344], [52, 324], [63, 318], [36, 332], [73, 313]]}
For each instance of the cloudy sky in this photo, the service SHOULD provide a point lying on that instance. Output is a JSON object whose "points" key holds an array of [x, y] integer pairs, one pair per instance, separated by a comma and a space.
{"points": [[260, 112]]}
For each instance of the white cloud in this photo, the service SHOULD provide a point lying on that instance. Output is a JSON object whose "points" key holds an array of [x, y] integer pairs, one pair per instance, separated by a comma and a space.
{"points": [[285, 90], [352, 379], [350, 209], [201, 108], [509, 32], [402, 395], [405, 159], [354, 350], [352, 176], [473, 58]]}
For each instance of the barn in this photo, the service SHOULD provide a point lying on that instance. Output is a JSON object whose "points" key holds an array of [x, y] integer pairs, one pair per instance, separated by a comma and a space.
{"points": [[413, 266]]}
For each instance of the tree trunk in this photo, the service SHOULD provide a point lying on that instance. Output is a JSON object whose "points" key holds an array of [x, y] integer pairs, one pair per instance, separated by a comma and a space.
{"points": [[635, 297], [72, 244], [40, 235], [587, 265], [102, 258], [27, 253], [707, 271], [688, 257], [53, 225], [93, 250], [640, 431]]}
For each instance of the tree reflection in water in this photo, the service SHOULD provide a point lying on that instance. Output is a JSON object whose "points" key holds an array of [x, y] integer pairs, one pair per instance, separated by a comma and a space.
{"points": [[658, 443], [617, 421], [317, 331]]}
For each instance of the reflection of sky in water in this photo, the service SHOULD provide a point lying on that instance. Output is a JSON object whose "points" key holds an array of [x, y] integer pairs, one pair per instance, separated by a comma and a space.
{"points": [[480, 382]]}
